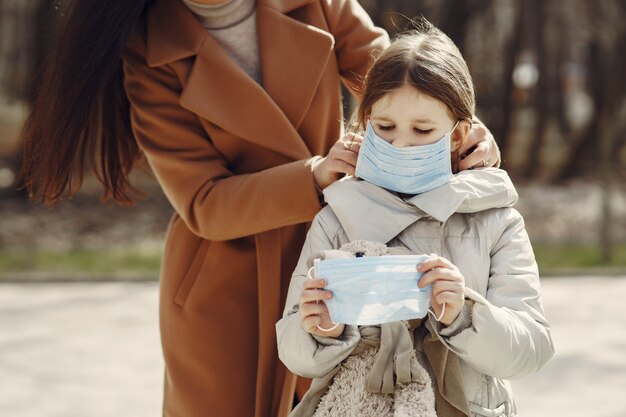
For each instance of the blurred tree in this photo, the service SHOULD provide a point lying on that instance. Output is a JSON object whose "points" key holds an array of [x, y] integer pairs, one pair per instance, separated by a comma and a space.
{"points": [[494, 36], [509, 57], [26, 35], [541, 92]]}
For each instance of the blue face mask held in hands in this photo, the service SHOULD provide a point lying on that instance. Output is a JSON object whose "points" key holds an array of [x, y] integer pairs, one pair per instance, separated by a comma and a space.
{"points": [[374, 290], [409, 170]]}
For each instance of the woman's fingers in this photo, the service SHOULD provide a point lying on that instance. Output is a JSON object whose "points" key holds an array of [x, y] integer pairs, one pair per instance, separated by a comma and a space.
{"points": [[350, 140], [478, 133], [343, 156], [483, 147], [477, 158], [341, 166], [341, 159]]}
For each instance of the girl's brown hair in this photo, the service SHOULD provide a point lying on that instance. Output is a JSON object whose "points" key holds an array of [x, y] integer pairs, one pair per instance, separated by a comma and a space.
{"points": [[428, 60], [81, 113]]}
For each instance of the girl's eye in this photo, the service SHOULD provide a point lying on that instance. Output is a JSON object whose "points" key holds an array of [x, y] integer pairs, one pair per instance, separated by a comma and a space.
{"points": [[422, 132], [386, 128]]}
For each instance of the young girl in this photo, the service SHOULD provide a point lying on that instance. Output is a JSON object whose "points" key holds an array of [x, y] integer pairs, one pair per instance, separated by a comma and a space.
{"points": [[485, 324]]}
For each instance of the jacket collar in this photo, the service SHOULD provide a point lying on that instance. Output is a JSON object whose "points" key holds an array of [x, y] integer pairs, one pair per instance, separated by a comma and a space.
{"points": [[369, 212], [219, 91]]}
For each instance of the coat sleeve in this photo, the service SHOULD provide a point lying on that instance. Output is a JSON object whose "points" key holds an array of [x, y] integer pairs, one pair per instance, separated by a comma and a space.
{"points": [[304, 354], [214, 202], [356, 40], [509, 337]]}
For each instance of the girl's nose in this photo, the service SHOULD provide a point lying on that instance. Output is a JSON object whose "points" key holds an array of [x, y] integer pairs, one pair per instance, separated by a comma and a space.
{"points": [[401, 142]]}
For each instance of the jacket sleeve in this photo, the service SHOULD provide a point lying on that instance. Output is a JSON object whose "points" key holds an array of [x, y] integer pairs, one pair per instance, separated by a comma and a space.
{"points": [[214, 202], [304, 354], [509, 337], [356, 40]]}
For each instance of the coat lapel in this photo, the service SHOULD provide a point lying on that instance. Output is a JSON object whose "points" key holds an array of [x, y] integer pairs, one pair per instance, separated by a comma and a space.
{"points": [[293, 57], [221, 92]]}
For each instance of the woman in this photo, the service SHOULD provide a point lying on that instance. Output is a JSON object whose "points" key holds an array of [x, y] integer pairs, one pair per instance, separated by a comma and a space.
{"points": [[237, 149]]}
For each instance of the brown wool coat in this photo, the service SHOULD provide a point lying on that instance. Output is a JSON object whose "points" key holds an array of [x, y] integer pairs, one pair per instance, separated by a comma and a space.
{"points": [[232, 157]]}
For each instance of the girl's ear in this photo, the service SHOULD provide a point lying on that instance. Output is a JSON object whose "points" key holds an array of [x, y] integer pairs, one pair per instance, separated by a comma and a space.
{"points": [[458, 136]]}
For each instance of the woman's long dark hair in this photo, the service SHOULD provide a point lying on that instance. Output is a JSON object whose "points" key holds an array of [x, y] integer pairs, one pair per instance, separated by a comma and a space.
{"points": [[81, 113]]}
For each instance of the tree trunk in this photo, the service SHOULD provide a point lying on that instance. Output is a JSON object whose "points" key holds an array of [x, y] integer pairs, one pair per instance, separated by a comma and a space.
{"points": [[533, 161], [510, 56]]}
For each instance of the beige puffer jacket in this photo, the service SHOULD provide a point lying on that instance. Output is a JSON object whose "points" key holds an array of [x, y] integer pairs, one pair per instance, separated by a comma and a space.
{"points": [[502, 333]]}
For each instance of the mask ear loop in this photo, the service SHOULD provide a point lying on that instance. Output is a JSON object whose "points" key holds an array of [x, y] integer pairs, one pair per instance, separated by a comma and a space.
{"points": [[309, 276], [443, 311]]}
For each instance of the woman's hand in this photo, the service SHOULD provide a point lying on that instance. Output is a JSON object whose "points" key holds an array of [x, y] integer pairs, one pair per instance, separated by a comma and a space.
{"points": [[313, 311], [485, 152], [448, 287], [341, 160]]}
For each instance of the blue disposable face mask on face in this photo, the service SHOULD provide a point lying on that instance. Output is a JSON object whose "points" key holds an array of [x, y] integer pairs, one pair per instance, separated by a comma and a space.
{"points": [[374, 290], [409, 170]]}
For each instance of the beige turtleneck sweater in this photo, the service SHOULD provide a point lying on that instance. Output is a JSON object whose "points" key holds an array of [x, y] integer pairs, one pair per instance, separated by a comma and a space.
{"points": [[233, 25]]}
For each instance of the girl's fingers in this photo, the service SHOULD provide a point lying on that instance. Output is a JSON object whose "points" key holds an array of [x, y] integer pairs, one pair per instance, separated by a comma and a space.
{"points": [[313, 309], [313, 315], [317, 283], [434, 261], [439, 273], [310, 323], [313, 291], [456, 287], [448, 297], [314, 295], [438, 268]]}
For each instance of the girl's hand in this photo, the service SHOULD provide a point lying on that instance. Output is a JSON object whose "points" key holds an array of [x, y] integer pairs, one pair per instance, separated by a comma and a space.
{"points": [[448, 287], [341, 160], [484, 150], [313, 311]]}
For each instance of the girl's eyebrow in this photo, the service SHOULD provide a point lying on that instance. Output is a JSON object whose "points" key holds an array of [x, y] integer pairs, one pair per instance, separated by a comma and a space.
{"points": [[423, 120], [417, 120]]}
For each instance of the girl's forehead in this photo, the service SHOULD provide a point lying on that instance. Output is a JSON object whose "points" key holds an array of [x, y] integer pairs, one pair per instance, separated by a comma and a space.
{"points": [[408, 101]]}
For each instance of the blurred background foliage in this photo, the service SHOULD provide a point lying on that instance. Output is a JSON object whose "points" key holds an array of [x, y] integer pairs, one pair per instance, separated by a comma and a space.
{"points": [[549, 77]]}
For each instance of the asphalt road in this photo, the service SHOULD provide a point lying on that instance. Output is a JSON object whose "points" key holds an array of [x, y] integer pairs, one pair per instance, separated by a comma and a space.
{"points": [[81, 349]]}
